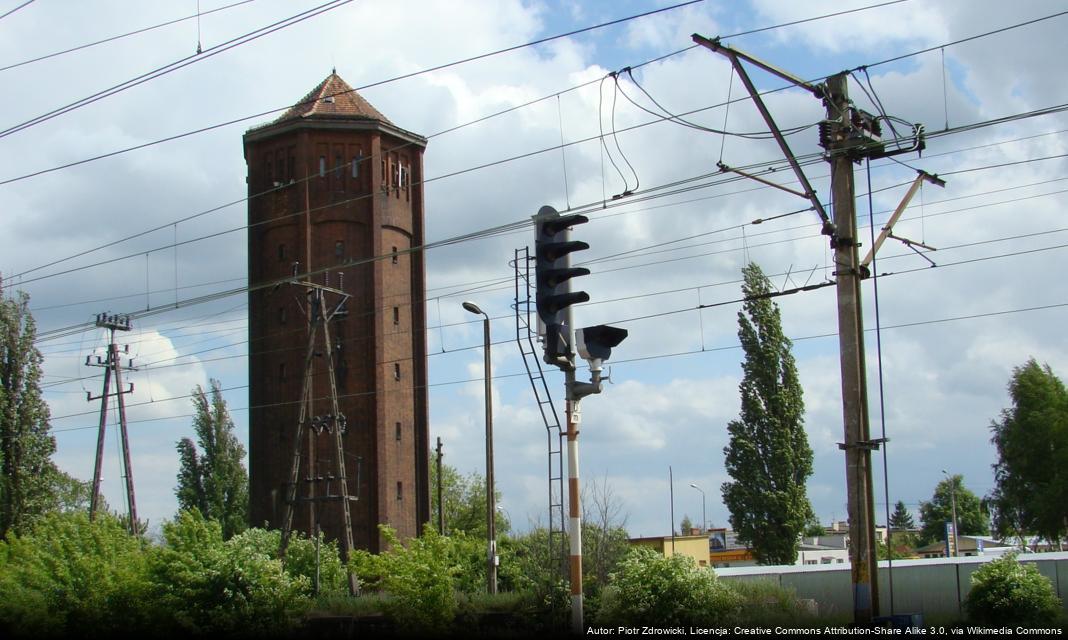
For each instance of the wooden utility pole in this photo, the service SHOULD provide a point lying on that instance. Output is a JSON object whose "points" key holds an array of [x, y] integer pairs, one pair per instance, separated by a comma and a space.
{"points": [[112, 366], [857, 444]]}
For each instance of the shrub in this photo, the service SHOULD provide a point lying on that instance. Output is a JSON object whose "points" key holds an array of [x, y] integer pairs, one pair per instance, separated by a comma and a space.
{"points": [[1005, 590], [417, 577], [300, 559], [202, 585], [70, 575], [648, 588]]}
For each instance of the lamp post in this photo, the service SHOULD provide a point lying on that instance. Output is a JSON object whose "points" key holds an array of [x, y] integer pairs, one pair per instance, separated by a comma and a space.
{"points": [[953, 503], [704, 514], [491, 533]]}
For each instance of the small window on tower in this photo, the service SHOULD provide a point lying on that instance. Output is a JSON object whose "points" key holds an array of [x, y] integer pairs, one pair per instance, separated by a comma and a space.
{"points": [[322, 166], [339, 249], [282, 372], [281, 315], [356, 160], [398, 431], [396, 371], [395, 255], [339, 174], [281, 252], [396, 315], [269, 174], [400, 490]]}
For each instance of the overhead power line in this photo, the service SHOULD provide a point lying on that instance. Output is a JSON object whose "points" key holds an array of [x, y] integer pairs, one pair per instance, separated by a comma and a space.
{"points": [[366, 86], [514, 226], [178, 64], [7, 13], [122, 35], [161, 364], [904, 325], [417, 73]]}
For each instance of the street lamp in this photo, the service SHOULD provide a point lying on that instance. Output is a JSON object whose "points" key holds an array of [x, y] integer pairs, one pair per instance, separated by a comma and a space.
{"points": [[491, 533], [953, 502], [704, 515]]}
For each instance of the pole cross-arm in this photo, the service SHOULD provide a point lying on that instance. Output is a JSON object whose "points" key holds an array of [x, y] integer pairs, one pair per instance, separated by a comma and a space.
{"points": [[715, 45], [888, 228], [736, 58]]}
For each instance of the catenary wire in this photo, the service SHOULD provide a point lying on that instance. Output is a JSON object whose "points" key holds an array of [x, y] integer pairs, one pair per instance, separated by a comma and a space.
{"points": [[122, 35]]}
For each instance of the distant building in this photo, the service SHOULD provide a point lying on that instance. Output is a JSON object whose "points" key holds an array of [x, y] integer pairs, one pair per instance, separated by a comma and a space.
{"points": [[724, 550], [694, 546], [968, 546], [335, 191]]}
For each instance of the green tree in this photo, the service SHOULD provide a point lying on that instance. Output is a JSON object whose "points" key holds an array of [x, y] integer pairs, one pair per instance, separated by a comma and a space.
{"points": [[1030, 495], [213, 480], [971, 518], [30, 483], [813, 528], [686, 525], [465, 502], [901, 519], [768, 456]]}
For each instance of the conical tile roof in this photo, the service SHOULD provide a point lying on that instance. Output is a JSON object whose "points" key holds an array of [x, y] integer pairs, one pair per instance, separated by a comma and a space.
{"points": [[333, 98]]}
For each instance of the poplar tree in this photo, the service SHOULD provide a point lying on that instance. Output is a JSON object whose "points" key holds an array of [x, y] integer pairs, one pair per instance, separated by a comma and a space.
{"points": [[768, 456], [30, 483], [213, 479]]}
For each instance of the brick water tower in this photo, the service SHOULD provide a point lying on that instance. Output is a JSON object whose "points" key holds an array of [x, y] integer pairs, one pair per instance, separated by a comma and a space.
{"points": [[336, 198]]}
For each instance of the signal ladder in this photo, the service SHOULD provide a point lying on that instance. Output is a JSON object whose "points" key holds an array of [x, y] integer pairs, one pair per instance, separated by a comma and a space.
{"points": [[525, 336]]}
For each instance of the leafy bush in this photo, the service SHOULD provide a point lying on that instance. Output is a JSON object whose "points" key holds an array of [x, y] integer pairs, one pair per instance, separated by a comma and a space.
{"points": [[1005, 590], [72, 575], [648, 588], [204, 585], [300, 559], [417, 577]]}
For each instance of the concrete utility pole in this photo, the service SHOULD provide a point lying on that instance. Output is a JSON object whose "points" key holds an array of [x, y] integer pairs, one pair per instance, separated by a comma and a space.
{"points": [[857, 443], [113, 366], [848, 134]]}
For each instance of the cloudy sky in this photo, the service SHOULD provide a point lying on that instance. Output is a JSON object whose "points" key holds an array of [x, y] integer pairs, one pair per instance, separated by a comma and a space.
{"points": [[950, 335]]}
